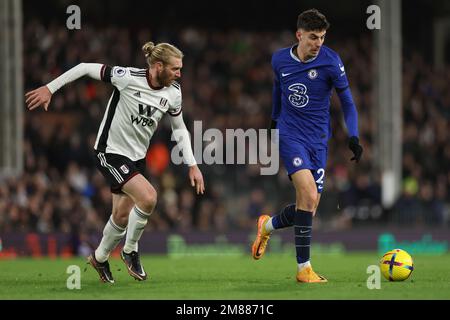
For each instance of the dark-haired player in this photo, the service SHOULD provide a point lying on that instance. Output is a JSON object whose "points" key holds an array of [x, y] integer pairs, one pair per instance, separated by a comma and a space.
{"points": [[305, 75]]}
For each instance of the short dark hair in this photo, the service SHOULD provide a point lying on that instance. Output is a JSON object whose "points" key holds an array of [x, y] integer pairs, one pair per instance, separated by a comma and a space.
{"points": [[312, 20]]}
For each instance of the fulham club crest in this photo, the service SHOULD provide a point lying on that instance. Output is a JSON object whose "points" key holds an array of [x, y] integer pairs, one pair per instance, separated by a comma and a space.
{"points": [[124, 169], [312, 74]]}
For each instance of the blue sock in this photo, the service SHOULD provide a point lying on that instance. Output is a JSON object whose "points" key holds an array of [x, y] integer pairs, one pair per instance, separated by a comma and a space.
{"points": [[285, 218], [303, 230]]}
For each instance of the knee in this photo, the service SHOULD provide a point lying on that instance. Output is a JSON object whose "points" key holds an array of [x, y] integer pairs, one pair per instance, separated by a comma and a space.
{"points": [[120, 218], [148, 201], [307, 201]]}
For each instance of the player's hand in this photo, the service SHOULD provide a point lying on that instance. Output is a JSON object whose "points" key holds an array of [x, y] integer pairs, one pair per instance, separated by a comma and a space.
{"points": [[356, 148], [38, 97], [196, 178]]}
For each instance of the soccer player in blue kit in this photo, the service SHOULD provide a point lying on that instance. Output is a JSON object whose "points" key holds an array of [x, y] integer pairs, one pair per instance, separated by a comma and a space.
{"points": [[305, 75]]}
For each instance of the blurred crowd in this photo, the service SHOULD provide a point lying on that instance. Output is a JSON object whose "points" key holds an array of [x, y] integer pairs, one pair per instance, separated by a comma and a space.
{"points": [[226, 83]]}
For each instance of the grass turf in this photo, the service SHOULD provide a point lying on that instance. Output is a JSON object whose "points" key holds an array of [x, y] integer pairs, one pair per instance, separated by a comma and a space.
{"points": [[224, 277]]}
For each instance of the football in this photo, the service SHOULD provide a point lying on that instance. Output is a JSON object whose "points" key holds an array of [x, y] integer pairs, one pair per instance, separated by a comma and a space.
{"points": [[396, 265]]}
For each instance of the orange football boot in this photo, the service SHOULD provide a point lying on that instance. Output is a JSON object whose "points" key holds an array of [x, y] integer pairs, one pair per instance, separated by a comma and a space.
{"points": [[262, 237], [307, 275]]}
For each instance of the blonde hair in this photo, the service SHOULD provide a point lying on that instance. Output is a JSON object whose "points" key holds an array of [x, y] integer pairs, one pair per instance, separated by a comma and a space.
{"points": [[160, 53]]}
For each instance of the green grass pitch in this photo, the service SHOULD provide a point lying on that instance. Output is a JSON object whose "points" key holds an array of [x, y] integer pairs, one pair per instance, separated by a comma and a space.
{"points": [[224, 277]]}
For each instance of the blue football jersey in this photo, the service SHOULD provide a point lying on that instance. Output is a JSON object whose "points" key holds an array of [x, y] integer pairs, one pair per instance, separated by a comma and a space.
{"points": [[302, 92]]}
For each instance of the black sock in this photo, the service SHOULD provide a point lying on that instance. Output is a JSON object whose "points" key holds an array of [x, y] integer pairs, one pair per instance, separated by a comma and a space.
{"points": [[285, 218], [303, 230]]}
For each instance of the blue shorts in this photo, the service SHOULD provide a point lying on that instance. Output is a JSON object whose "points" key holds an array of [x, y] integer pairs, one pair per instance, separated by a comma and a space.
{"points": [[297, 156]]}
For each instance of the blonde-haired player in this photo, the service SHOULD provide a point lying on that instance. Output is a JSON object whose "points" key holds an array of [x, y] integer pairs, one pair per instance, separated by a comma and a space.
{"points": [[139, 101]]}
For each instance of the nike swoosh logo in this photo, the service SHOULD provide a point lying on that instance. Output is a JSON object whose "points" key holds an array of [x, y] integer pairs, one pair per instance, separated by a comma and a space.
{"points": [[304, 231], [285, 74], [257, 250]]}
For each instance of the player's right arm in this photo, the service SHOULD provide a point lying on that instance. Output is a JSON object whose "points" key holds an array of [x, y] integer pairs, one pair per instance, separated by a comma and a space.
{"points": [[42, 96], [276, 96], [118, 76]]}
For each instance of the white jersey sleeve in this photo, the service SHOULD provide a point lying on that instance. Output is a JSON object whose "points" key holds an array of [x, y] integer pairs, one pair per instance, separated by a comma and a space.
{"points": [[175, 107], [182, 137], [118, 76], [92, 70]]}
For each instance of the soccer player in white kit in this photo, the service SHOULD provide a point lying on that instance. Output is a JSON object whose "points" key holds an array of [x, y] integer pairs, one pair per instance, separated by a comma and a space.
{"points": [[140, 99]]}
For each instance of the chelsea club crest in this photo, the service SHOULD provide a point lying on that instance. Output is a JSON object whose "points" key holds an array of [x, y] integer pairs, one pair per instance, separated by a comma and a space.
{"points": [[312, 74]]}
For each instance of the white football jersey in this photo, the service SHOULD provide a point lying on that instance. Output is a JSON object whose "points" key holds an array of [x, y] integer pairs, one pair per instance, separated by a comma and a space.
{"points": [[134, 111]]}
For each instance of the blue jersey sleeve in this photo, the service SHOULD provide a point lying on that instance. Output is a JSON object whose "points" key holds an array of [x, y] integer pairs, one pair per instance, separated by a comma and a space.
{"points": [[276, 92], [350, 113], [338, 75]]}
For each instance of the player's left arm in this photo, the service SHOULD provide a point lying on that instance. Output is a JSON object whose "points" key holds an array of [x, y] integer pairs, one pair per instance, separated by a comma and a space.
{"points": [[351, 121], [342, 87], [181, 135]]}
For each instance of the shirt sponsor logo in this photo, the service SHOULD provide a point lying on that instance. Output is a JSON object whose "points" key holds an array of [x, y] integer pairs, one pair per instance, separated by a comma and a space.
{"points": [[298, 98]]}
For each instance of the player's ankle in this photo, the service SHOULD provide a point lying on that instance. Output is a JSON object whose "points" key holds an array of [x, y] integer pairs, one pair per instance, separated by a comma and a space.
{"points": [[303, 265], [99, 257], [268, 227]]}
